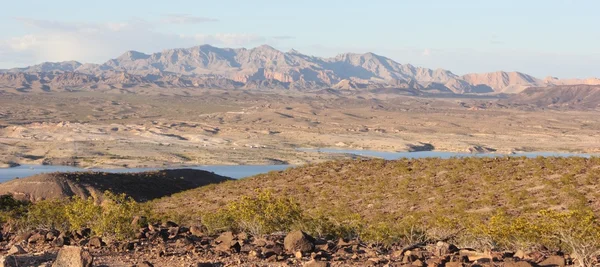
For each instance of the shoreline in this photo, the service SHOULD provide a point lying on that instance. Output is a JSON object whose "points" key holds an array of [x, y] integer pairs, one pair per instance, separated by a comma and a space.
{"points": [[332, 153]]}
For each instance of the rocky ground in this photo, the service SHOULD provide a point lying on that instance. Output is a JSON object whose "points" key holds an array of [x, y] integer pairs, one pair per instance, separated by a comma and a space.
{"points": [[241, 127], [172, 245]]}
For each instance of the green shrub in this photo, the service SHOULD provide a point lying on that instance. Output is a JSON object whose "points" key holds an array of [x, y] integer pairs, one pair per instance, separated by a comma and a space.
{"points": [[112, 218], [46, 214], [115, 217], [10, 208], [82, 213], [260, 214]]}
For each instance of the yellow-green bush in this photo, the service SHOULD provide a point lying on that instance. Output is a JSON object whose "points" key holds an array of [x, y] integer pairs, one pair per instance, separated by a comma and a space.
{"points": [[116, 214], [11, 208], [112, 218], [260, 214], [46, 214]]}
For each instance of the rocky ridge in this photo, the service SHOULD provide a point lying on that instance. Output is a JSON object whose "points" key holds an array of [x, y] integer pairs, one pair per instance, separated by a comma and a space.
{"points": [[263, 67]]}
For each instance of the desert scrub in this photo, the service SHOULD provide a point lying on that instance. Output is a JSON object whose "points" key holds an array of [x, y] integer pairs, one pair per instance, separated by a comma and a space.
{"points": [[11, 208], [260, 214], [112, 218]]}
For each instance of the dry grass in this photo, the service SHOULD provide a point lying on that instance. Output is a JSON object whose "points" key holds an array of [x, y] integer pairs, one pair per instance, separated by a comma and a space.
{"points": [[452, 188]]}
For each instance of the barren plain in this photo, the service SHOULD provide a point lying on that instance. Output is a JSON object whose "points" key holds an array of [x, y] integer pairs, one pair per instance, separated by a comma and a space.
{"points": [[207, 127]]}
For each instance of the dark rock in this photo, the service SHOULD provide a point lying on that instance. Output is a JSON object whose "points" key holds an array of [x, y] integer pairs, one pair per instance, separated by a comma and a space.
{"points": [[126, 246], [83, 233], [299, 241], [169, 224], [145, 264], [70, 256]]}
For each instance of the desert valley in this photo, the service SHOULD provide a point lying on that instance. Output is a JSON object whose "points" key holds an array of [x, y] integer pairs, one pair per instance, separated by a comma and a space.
{"points": [[204, 105]]}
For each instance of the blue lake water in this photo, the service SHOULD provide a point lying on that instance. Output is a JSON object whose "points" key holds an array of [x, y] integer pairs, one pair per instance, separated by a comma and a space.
{"points": [[440, 154], [241, 171]]}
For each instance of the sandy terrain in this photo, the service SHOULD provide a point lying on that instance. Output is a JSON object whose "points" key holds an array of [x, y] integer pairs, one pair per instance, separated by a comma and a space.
{"points": [[238, 127]]}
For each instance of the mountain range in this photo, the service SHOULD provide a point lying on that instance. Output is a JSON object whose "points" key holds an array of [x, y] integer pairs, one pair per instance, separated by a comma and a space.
{"points": [[263, 67]]}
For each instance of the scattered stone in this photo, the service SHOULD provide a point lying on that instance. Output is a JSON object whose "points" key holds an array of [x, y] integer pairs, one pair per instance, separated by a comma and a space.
{"points": [[299, 241], [226, 237], [519, 254], [459, 264], [52, 235], [96, 242], [71, 256], [22, 237], [553, 261], [196, 231], [146, 264], [418, 263], [316, 263], [474, 255], [517, 264], [173, 232], [169, 224], [16, 250]]}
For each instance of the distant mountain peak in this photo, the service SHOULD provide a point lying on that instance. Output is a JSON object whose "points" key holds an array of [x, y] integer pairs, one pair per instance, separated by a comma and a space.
{"points": [[133, 55], [266, 67]]}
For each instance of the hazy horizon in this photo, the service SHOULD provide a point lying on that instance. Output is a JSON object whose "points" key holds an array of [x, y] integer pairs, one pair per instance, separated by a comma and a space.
{"points": [[541, 38]]}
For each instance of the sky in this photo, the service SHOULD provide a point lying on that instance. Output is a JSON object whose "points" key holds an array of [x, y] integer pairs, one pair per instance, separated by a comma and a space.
{"points": [[558, 38]]}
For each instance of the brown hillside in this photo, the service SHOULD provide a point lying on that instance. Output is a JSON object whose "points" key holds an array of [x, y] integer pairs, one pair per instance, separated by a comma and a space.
{"points": [[376, 188], [572, 96]]}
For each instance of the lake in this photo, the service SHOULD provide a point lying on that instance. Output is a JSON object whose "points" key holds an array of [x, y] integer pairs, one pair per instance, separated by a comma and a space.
{"points": [[241, 171]]}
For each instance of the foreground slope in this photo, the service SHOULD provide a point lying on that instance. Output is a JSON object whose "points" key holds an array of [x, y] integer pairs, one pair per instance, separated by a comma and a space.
{"points": [[376, 189], [141, 186]]}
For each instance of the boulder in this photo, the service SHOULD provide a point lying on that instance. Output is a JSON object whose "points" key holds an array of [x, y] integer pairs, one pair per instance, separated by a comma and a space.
{"points": [[38, 237], [196, 231], [95, 242], [553, 261], [226, 243], [316, 263], [72, 256], [299, 241]]}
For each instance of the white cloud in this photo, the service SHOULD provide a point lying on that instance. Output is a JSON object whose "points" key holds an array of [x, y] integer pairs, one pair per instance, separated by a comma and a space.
{"points": [[426, 52], [96, 43], [186, 19]]}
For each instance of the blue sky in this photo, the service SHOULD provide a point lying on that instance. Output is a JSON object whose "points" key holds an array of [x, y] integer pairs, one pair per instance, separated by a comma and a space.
{"points": [[539, 37]]}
